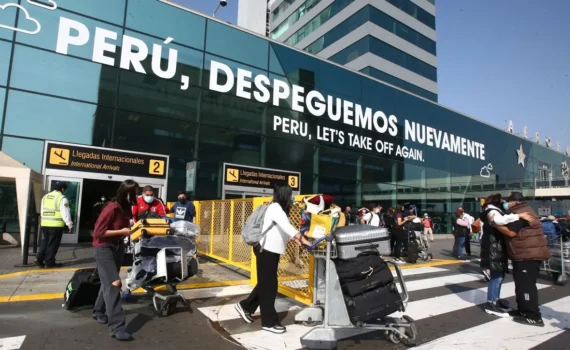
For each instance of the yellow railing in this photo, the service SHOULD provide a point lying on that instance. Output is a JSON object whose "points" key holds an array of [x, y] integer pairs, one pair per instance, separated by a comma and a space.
{"points": [[221, 223]]}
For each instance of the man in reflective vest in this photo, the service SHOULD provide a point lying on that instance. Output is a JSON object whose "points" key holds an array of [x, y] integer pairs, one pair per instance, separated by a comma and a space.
{"points": [[55, 216]]}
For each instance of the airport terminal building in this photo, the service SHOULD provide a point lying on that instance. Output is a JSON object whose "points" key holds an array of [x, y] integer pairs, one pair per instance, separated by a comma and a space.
{"points": [[97, 91]]}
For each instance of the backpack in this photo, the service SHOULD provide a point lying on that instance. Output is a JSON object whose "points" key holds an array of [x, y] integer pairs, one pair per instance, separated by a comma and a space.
{"points": [[252, 229], [548, 228]]}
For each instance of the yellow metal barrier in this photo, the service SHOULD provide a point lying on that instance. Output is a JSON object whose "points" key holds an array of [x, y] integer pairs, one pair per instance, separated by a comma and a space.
{"points": [[221, 223]]}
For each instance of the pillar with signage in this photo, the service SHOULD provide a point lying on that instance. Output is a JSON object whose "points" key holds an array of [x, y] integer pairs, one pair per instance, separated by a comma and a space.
{"points": [[92, 173], [242, 181]]}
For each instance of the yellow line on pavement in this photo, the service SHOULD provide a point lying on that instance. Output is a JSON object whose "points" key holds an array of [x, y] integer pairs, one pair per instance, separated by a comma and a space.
{"points": [[432, 263], [187, 286]]}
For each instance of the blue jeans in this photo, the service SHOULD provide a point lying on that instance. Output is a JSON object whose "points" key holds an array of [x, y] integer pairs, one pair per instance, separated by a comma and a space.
{"points": [[494, 287], [458, 246]]}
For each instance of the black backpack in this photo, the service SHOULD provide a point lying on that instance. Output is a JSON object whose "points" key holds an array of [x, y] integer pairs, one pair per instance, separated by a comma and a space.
{"points": [[82, 290]]}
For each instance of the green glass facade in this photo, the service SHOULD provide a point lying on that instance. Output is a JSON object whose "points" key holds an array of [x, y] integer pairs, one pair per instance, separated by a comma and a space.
{"points": [[84, 78]]}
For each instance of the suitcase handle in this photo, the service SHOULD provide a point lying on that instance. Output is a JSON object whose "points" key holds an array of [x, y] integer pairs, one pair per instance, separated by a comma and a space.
{"points": [[367, 247]]}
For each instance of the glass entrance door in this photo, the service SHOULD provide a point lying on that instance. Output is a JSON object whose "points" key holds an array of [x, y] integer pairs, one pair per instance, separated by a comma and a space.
{"points": [[73, 195]]}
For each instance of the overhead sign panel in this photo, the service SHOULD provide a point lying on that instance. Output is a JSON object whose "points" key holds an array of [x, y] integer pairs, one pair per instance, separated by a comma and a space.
{"points": [[244, 176], [104, 161]]}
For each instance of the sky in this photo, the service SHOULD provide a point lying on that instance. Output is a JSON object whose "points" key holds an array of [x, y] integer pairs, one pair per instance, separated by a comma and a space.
{"points": [[497, 61]]}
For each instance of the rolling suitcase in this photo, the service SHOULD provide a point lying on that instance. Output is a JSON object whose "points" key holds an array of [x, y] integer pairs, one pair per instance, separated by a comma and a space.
{"points": [[373, 305], [82, 290], [150, 227], [353, 240]]}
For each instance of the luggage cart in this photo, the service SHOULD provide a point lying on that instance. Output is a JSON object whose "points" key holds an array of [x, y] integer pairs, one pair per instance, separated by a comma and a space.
{"points": [[329, 312], [558, 264]]}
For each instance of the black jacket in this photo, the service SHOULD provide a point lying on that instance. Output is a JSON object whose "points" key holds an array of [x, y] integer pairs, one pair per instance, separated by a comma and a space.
{"points": [[493, 247]]}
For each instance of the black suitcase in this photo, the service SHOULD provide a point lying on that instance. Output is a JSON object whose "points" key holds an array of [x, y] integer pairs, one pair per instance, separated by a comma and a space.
{"points": [[358, 268], [82, 290], [380, 277], [375, 304]]}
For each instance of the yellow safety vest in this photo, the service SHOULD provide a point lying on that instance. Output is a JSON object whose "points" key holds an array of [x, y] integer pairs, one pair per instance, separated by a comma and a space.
{"points": [[51, 214]]}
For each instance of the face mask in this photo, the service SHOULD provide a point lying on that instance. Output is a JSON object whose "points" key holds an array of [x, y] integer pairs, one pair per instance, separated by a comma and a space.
{"points": [[506, 206], [182, 200], [149, 199]]}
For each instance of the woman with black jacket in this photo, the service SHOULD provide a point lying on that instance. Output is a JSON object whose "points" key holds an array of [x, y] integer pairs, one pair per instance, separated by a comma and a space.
{"points": [[494, 258]]}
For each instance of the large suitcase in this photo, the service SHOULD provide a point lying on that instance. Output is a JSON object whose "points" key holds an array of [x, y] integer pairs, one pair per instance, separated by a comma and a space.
{"points": [[373, 305], [150, 227], [363, 273], [82, 290], [354, 240]]}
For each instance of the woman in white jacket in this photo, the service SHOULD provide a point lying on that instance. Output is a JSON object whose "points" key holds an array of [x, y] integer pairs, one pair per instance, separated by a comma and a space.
{"points": [[268, 251]]}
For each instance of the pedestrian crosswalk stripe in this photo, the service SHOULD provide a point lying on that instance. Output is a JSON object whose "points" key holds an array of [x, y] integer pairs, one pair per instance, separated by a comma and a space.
{"points": [[226, 312], [441, 295], [435, 282], [12, 343], [456, 301], [419, 271], [504, 334]]}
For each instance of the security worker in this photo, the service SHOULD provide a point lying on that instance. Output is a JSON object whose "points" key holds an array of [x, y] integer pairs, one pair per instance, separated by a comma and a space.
{"points": [[55, 216]]}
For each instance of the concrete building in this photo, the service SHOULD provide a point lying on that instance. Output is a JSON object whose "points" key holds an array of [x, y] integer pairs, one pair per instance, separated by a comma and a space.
{"points": [[391, 40]]}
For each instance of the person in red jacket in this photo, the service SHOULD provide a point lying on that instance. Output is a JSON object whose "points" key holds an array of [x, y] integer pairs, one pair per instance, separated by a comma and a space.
{"points": [[148, 204]]}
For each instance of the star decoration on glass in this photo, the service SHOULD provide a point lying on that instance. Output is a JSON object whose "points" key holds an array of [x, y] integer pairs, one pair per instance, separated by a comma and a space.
{"points": [[521, 155]]}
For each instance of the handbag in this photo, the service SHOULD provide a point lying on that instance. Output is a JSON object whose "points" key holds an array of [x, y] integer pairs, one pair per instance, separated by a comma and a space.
{"points": [[324, 223]]}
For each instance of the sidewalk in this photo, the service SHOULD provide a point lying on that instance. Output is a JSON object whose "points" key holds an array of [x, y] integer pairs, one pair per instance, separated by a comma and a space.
{"points": [[31, 283]]}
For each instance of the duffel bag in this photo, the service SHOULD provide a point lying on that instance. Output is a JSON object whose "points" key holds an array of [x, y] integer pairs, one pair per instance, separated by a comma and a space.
{"points": [[379, 277], [361, 267]]}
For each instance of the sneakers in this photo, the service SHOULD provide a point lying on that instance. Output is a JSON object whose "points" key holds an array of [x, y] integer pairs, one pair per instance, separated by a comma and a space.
{"points": [[275, 329], [515, 313], [122, 336], [101, 319], [399, 261], [529, 321], [39, 264], [246, 316], [492, 309], [503, 304]]}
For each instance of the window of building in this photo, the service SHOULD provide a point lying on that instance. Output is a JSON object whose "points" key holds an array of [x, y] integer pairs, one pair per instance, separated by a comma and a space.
{"points": [[415, 11], [2, 100], [388, 52], [105, 10], [47, 37], [5, 53], [147, 133], [390, 79], [318, 21], [54, 74], [26, 151], [343, 190], [225, 41], [163, 20], [283, 6], [294, 156], [9, 18], [57, 119], [372, 14], [293, 18]]}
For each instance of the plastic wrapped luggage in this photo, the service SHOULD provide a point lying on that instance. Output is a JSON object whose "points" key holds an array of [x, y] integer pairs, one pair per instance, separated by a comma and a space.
{"points": [[373, 305], [353, 240], [362, 274]]}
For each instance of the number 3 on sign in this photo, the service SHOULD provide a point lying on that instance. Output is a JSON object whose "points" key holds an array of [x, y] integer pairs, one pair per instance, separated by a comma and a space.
{"points": [[293, 181], [156, 167]]}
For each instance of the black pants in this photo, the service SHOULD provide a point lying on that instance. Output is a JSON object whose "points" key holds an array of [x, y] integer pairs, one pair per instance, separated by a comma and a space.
{"points": [[265, 292], [51, 239], [525, 274], [109, 259], [401, 242], [468, 243]]}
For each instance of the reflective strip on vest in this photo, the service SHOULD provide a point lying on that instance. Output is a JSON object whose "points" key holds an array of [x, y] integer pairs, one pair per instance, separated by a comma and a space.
{"points": [[51, 214]]}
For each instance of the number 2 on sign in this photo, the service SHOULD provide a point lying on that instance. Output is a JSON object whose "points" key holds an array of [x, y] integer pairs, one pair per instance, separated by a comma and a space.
{"points": [[156, 167]]}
